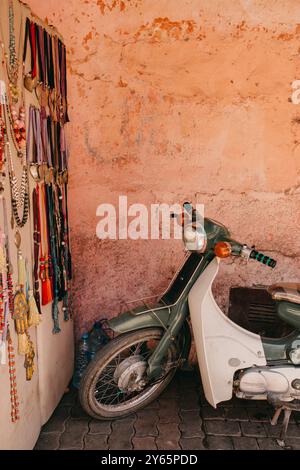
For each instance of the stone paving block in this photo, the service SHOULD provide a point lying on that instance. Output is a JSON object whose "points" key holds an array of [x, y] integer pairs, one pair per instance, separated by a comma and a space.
{"points": [[120, 441], [219, 443], [236, 414], [168, 410], [48, 441], [195, 443], [191, 424], [253, 430], [77, 412], [69, 398], [73, 436], [168, 403], [144, 443], [293, 443], [100, 427], [172, 390], [245, 443], [190, 400], [210, 413], [274, 431], [268, 444], [153, 406], [95, 442], [168, 415], [146, 424], [222, 428], [238, 403], [260, 414], [295, 417], [57, 421], [122, 434], [169, 436]]}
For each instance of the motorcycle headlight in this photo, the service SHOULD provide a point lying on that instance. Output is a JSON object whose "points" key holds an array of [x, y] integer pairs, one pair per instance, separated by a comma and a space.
{"points": [[194, 238]]}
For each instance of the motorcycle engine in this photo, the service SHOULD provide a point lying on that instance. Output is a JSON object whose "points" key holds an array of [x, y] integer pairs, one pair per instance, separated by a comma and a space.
{"points": [[259, 381]]}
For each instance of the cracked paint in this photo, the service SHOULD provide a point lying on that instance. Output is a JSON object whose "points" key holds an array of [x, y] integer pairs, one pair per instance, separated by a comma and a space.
{"points": [[164, 27], [110, 5], [174, 101]]}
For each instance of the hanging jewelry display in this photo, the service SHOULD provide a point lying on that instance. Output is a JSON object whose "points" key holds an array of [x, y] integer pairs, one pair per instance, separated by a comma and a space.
{"points": [[11, 64], [6, 307]]}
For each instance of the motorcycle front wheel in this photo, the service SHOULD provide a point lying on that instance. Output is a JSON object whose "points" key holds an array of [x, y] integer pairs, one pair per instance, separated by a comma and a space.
{"points": [[115, 383]]}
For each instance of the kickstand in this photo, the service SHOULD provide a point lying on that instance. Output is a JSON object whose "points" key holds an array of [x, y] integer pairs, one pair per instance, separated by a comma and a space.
{"points": [[285, 423]]}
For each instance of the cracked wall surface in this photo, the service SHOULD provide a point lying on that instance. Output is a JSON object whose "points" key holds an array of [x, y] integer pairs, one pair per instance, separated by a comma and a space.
{"points": [[174, 101]]}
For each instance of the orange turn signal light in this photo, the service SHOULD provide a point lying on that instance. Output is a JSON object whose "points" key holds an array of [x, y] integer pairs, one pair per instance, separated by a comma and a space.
{"points": [[223, 250]]}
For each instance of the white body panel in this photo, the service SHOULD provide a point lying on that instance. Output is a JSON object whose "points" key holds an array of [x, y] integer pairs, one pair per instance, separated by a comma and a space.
{"points": [[222, 346]]}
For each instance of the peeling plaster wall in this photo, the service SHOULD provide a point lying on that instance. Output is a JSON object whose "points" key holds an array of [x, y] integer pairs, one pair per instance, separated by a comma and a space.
{"points": [[175, 100]]}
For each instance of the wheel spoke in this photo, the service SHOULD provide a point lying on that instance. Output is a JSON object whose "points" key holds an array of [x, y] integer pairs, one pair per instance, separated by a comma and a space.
{"points": [[106, 390]]}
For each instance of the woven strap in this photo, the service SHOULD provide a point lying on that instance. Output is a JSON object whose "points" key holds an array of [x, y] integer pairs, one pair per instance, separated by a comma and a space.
{"points": [[37, 243]]}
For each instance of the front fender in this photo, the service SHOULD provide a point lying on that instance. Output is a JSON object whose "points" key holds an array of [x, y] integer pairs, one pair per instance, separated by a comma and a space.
{"points": [[131, 322]]}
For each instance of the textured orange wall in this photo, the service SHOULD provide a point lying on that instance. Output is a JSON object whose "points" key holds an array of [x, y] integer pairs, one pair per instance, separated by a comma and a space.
{"points": [[174, 100]]}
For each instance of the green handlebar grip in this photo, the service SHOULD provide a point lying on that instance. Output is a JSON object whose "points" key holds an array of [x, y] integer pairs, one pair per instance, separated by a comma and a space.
{"points": [[261, 258]]}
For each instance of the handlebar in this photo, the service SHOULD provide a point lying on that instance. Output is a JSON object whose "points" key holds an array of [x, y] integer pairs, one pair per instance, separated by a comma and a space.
{"points": [[264, 259]]}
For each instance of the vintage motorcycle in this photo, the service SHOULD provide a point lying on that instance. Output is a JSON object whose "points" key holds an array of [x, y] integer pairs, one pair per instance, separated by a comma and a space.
{"points": [[153, 341]]}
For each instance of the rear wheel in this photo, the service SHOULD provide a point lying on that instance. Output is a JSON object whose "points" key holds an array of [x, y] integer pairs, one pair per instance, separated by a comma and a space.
{"points": [[115, 383]]}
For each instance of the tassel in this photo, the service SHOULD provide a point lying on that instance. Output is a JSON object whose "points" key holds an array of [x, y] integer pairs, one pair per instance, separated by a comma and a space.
{"points": [[34, 317], [47, 295], [23, 345], [2, 353], [56, 328]]}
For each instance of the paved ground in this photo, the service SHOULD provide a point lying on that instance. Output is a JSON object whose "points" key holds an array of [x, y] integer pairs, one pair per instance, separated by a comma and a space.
{"points": [[180, 419]]}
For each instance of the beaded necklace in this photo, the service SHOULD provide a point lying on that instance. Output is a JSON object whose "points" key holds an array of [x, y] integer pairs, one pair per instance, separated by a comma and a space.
{"points": [[10, 63], [19, 193], [6, 308], [13, 69]]}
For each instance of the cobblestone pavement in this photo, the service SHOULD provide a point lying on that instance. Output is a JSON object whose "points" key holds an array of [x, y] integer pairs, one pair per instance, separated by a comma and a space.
{"points": [[180, 419]]}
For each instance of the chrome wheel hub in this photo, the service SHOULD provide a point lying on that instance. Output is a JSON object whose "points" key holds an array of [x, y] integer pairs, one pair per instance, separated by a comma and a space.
{"points": [[130, 374]]}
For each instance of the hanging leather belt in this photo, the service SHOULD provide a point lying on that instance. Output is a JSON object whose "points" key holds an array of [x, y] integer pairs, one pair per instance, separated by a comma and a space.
{"points": [[37, 244]]}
